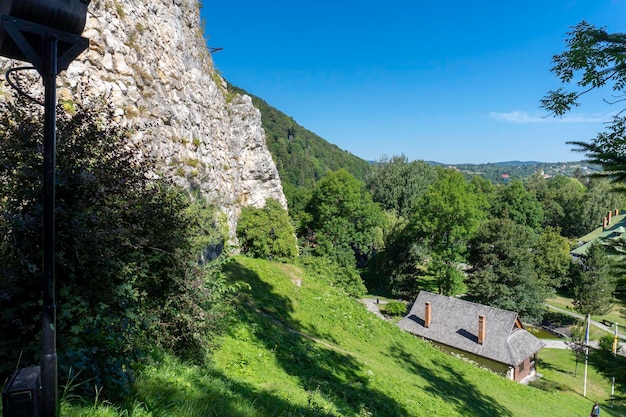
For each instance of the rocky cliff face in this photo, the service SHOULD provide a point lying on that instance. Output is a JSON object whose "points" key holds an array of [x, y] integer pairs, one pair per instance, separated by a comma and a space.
{"points": [[149, 58]]}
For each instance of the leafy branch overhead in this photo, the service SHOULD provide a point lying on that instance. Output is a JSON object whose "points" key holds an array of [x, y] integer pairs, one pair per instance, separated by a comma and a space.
{"points": [[594, 58], [600, 59]]}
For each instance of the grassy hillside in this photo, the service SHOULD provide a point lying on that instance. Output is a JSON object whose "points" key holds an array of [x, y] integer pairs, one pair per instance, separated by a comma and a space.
{"points": [[324, 352], [298, 347], [301, 156]]}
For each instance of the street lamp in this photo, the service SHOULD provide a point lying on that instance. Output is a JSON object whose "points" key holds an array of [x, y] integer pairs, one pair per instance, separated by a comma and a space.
{"points": [[45, 33]]}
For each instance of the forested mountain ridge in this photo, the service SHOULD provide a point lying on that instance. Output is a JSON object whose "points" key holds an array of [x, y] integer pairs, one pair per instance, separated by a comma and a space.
{"points": [[301, 156]]}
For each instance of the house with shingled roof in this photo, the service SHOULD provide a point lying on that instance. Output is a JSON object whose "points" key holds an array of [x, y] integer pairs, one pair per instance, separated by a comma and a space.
{"points": [[491, 336]]}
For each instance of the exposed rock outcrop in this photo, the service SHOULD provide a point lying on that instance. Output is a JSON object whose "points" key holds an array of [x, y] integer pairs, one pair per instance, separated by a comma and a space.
{"points": [[149, 58]]}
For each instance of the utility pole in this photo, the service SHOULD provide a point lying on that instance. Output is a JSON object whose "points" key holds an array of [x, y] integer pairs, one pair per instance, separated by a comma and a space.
{"points": [[47, 34], [586, 354], [614, 349]]}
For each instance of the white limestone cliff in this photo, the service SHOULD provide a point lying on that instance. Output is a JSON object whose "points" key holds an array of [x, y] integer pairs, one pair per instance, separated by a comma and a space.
{"points": [[150, 60]]}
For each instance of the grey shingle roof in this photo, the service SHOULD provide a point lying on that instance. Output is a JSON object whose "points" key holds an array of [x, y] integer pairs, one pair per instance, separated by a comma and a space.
{"points": [[454, 323]]}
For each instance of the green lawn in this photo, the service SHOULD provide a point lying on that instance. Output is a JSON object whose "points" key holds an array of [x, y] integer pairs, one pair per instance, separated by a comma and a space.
{"points": [[558, 366]]}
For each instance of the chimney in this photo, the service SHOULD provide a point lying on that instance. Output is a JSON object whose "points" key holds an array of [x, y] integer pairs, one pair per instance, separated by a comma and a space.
{"points": [[482, 329], [427, 315], [608, 215], [604, 223], [616, 212]]}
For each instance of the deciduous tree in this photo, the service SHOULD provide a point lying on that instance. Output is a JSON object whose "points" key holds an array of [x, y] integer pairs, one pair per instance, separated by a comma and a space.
{"points": [[594, 59], [515, 202], [345, 223], [396, 183], [401, 264], [561, 198], [445, 218], [576, 343], [601, 196]]}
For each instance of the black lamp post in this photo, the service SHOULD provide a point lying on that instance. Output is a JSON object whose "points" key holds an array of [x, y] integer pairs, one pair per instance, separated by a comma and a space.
{"points": [[45, 33]]}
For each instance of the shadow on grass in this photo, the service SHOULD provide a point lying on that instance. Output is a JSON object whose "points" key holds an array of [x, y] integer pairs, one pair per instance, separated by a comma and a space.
{"points": [[555, 318], [427, 284], [452, 387], [610, 367], [213, 394], [313, 330], [541, 364], [332, 374]]}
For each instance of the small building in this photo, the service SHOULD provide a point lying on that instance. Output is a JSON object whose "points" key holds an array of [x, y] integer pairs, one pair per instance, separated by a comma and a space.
{"points": [[493, 337]]}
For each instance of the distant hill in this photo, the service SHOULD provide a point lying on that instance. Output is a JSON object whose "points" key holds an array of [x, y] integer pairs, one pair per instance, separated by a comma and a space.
{"points": [[301, 156], [506, 163], [502, 172]]}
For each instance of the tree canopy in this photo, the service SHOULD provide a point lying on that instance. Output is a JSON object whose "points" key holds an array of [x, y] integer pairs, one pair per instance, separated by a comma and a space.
{"points": [[515, 202], [561, 198], [601, 196], [396, 183], [445, 217], [345, 223], [552, 259], [594, 58], [503, 271], [448, 213]]}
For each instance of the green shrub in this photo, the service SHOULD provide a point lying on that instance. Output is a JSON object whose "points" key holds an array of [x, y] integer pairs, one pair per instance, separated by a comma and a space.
{"points": [[127, 267], [267, 233], [394, 308], [606, 342]]}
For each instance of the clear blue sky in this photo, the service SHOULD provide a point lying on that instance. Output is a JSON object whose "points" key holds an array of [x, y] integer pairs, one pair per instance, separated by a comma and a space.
{"points": [[447, 81]]}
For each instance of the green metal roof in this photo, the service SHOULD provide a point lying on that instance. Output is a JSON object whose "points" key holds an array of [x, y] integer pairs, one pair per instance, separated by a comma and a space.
{"points": [[616, 229]]}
